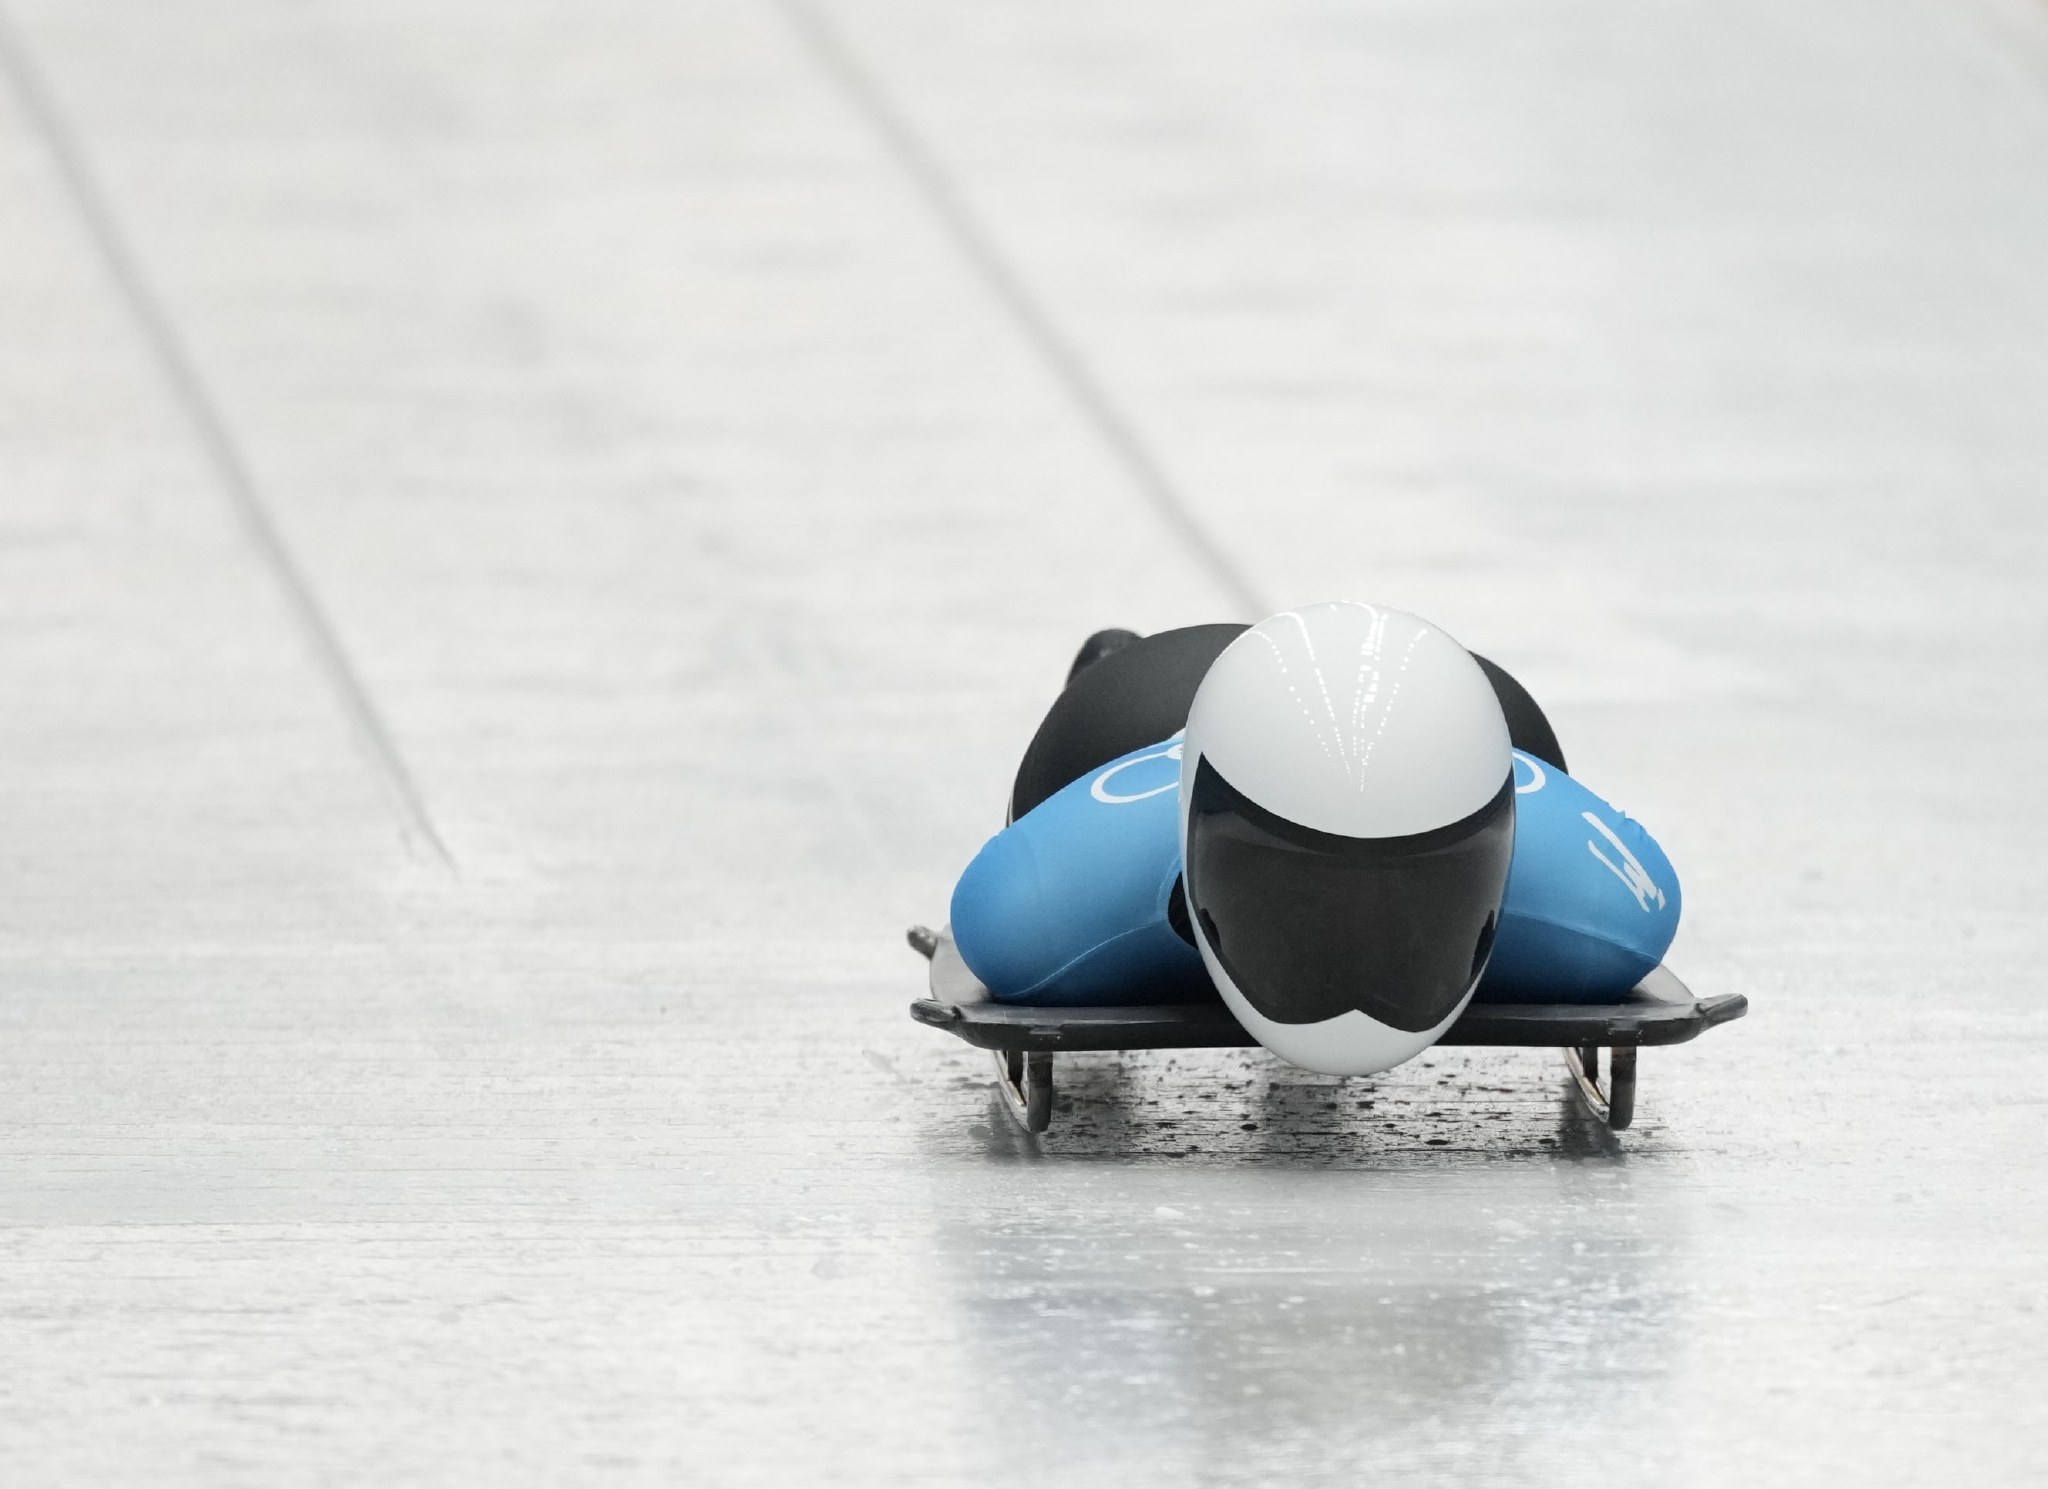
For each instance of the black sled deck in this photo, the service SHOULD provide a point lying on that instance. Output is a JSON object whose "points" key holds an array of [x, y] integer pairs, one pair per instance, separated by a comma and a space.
{"points": [[1658, 1010]]}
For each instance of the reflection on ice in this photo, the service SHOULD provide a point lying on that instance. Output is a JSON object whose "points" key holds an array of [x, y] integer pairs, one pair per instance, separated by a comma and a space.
{"points": [[1353, 1296]]}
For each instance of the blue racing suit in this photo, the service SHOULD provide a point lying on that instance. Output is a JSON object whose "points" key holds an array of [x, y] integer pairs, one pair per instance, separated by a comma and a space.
{"points": [[1074, 902]]}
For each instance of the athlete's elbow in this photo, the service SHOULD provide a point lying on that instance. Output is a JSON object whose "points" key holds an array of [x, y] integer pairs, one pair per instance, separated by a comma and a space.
{"points": [[999, 917]]}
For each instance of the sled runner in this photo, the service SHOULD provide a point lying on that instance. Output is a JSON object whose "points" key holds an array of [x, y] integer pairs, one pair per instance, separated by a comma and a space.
{"points": [[1658, 1010]]}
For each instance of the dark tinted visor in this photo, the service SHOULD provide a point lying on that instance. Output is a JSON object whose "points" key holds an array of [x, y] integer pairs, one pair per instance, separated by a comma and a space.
{"points": [[1311, 924]]}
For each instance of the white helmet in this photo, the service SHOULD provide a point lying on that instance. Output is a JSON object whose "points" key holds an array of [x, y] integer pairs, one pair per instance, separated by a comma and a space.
{"points": [[1347, 817]]}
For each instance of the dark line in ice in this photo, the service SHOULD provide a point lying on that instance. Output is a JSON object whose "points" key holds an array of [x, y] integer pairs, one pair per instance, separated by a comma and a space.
{"points": [[1009, 287], [230, 467]]}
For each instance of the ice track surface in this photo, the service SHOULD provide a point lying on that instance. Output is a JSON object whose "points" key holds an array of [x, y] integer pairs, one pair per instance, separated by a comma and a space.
{"points": [[532, 536]]}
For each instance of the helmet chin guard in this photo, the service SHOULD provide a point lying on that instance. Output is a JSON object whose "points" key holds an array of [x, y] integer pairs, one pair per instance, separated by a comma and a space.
{"points": [[1347, 821]]}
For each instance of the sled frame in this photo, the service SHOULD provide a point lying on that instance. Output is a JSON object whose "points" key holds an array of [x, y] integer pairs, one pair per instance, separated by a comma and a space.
{"points": [[1659, 1010]]}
